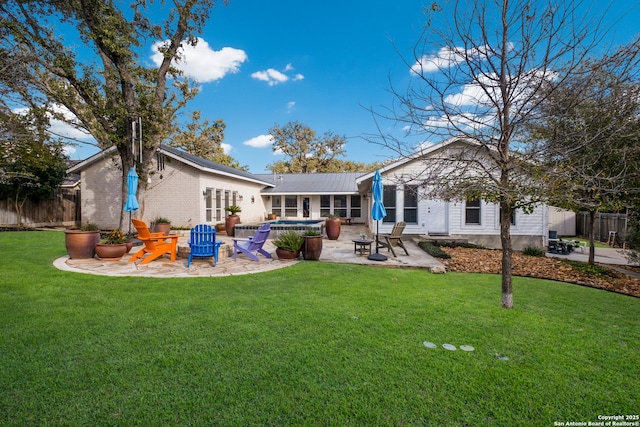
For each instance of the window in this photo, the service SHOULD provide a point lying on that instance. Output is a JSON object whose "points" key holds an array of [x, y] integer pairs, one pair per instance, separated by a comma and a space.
{"points": [[356, 204], [325, 205], [227, 200], [276, 205], [291, 206], [411, 204], [340, 206], [159, 161], [472, 212], [219, 212], [389, 200], [208, 205]]}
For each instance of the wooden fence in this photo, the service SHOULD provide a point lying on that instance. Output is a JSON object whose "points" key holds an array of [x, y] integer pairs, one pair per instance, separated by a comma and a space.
{"points": [[61, 209], [605, 223]]}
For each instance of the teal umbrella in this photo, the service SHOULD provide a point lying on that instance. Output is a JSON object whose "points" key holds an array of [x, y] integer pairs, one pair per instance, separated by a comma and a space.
{"points": [[132, 188], [378, 212]]}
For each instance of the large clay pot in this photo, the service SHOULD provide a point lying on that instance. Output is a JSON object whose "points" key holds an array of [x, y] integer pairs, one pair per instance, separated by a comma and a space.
{"points": [[272, 216], [164, 228], [81, 244], [220, 229], [287, 255], [332, 228], [230, 224], [312, 248], [106, 251]]}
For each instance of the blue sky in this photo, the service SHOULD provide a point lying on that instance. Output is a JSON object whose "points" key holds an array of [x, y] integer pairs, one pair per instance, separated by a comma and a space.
{"points": [[262, 63]]}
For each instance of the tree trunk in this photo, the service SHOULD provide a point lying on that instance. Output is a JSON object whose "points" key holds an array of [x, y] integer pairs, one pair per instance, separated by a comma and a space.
{"points": [[507, 251], [592, 236]]}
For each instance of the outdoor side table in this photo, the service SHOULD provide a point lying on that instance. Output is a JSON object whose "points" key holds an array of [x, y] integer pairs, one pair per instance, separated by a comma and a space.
{"points": [[362, 246]]}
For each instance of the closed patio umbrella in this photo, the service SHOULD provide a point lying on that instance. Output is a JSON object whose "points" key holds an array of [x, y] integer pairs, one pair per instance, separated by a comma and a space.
{"points": [[378, 212], [132, 188]]}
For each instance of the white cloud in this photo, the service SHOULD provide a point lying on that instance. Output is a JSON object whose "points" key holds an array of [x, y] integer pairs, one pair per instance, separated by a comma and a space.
{"points": [[260, 141], [271, 76], [290, 106], [274, 77], [202, 63], [446, 57], [226, 148]]}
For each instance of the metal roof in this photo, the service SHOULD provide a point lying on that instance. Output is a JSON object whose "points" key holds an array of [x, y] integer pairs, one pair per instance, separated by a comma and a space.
{"points": [[312, 183]]}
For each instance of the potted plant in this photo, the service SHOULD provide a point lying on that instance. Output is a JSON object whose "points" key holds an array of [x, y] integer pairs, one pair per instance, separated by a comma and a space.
{"points": [[332, 227], [161, 225], [113, 246], [221, 228], [232, 219], [81, 244], [288, 245], [312, 247]]}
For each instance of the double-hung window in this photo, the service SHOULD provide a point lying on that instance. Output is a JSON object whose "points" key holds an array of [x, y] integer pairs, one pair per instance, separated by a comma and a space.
{"points": [[472, 212]]}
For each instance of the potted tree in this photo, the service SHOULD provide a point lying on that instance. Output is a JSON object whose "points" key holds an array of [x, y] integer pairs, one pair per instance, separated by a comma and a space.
{"points": [[312, 246], [81, 244], [232, 219], [113, 246], [288, 245], [161, 225], [332, 227]]}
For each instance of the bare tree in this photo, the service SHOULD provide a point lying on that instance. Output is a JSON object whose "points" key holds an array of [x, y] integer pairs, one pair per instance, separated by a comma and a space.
{"points": [[477, 72]]}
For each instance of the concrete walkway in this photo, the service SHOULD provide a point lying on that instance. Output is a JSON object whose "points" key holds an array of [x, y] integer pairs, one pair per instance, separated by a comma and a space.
{"points": [[336, 251]]}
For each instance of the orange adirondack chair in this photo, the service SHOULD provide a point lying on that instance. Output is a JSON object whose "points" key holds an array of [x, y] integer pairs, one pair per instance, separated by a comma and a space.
{"points": [[155, 244]]}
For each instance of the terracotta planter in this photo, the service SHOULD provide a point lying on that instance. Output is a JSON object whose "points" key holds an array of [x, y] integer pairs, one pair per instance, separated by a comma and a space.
{"points": [[106, 251], [332, 228], [162, 228], [221, 229], [287, 255], [312, 248], [81, 244], [271, 217], [230, 224]]}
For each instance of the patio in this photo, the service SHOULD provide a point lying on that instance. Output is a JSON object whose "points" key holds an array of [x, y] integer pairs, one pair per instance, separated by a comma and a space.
{"points": [[338, 251]]}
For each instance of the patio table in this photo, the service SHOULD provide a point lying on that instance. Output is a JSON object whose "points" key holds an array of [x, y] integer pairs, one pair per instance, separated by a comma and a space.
{"points": [[362, 246]]}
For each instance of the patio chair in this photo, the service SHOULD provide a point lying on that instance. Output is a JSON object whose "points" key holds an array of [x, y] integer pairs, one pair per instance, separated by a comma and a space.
{"points": [[155, 244], [252, 246], [202, 243], [393, 239]]}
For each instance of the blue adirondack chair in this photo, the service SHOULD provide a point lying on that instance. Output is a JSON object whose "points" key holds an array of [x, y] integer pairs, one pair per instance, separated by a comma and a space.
{"points": [[252, 246], [202, 243]]}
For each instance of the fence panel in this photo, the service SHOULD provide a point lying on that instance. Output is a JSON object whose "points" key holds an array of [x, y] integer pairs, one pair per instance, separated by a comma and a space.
{"points": [[62, 208], [604, 223]]}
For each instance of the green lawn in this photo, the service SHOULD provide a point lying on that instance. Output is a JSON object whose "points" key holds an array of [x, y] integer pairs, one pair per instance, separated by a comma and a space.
{"points": [[311, 344]]}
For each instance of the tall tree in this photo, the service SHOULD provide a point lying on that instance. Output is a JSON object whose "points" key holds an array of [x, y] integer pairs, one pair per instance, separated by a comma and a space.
{"points": [[589, 129], [203, 139], [308, 153], [84, 55], [31, 165], [477, 71]]}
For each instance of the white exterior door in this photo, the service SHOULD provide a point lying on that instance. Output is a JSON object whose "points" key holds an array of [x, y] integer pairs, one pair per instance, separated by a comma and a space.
{"points": [[437, 217]]}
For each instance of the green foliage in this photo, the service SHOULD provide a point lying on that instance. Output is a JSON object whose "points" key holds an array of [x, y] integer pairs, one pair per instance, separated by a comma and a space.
{"points": [[203, 139], [534, 251], [289, 240], [161, 220], [311, 233], [433, 250], [591, 269], [114, 237], [89, 226], [233, 209], [309, 153]]}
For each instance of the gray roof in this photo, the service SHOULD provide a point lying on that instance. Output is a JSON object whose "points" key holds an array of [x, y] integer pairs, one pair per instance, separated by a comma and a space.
{"points": [[213, 166], [312, 183]]}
